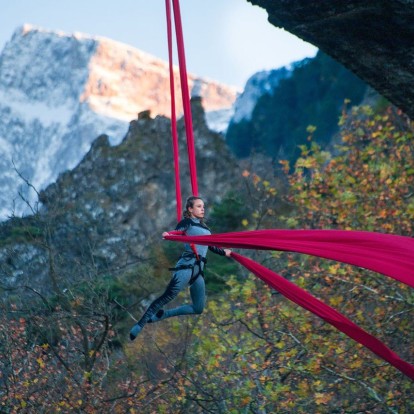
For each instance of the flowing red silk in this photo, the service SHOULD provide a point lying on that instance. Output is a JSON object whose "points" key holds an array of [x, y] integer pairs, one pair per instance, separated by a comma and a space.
{"points": [[328, 314], [174, 133], [185, 97], [388, 254], [384, 253]]}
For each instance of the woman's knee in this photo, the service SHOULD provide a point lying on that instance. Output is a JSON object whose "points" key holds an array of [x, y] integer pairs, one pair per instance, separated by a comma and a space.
{"points": [[198, 310], [198, 296], [199, 307]]}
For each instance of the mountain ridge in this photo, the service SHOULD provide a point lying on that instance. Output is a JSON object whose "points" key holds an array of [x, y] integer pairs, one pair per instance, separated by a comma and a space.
{"points": [[106, 211]]}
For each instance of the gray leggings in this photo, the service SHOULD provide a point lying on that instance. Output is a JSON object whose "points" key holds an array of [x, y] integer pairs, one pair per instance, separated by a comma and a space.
{"points": [[178, 282]]}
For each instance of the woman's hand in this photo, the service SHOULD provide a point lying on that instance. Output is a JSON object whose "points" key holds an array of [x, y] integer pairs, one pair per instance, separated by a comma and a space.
{"points": [[165, 234], [228, 252]]}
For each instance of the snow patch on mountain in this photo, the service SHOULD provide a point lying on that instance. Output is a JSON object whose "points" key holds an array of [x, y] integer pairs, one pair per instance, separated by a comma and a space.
{"points": [[27, 110], [219, 121], [259, 84]]}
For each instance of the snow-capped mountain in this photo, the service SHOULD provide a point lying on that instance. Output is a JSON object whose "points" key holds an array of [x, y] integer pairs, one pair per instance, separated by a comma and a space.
{"points": [[59, 92], [259, 84]]}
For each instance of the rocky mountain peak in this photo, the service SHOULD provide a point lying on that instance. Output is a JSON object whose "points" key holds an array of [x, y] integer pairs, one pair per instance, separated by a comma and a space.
{"points": [[119, 198]]}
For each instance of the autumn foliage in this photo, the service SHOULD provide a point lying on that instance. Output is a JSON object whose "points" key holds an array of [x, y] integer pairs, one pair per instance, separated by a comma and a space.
{"points": [[252, 351]]}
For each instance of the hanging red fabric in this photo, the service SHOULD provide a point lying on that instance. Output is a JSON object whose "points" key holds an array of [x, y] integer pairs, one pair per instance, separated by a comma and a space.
{"points": [[174, 133], [330, 315], [388, 254], [185, 97], [384, 253]]}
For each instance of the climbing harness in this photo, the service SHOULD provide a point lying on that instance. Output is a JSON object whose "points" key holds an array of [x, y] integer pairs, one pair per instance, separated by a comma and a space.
{"points": [[196, 268]]}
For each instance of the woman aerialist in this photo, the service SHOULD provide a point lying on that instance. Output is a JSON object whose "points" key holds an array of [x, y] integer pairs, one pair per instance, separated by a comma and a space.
{"points": [[187, 272]]}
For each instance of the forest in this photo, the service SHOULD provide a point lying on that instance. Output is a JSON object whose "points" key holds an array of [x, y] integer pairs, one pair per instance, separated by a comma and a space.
{"points": [[251, 351], [312, 94]]}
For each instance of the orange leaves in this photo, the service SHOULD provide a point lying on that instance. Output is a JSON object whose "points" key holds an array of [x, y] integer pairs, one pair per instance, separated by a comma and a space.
{"points": [[285, 166], [40, 362], [383, 213], [36, 376], [245, 401], [322, 398]]}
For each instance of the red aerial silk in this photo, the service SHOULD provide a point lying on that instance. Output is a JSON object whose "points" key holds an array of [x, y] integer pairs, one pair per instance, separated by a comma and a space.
{"points": [[388, 254], [186, 105], [185, 97], [330, 315], [174, 133]]}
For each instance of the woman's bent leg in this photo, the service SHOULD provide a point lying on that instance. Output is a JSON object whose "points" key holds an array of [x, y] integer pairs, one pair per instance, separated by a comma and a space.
{"points": [[178, 282], [198, 297]]}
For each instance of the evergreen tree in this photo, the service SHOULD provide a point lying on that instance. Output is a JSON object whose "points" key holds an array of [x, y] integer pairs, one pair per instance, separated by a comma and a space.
{"points": [[314, 94]]}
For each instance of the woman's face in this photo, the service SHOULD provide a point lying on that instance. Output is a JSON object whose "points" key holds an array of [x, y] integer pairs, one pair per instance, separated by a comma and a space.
{"points": [[197, 211]]}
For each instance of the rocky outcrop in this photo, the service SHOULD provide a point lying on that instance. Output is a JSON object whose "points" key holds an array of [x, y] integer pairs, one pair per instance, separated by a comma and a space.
{"points": [[102, 215], [372, 38]]}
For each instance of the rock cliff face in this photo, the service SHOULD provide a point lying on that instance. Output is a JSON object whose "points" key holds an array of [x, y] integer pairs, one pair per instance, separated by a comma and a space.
{"points": [[372, 38], [59, 92], [106, 211]]}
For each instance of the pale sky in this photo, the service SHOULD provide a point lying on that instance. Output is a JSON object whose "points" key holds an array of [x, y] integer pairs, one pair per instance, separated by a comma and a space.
{"points": [[225, 40]]}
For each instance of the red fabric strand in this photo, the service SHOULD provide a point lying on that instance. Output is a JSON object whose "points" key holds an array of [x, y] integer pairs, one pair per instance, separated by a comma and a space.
{"points": [[330, 315], [388, 254], [173, 115], [186, 97], [176, 232]]}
